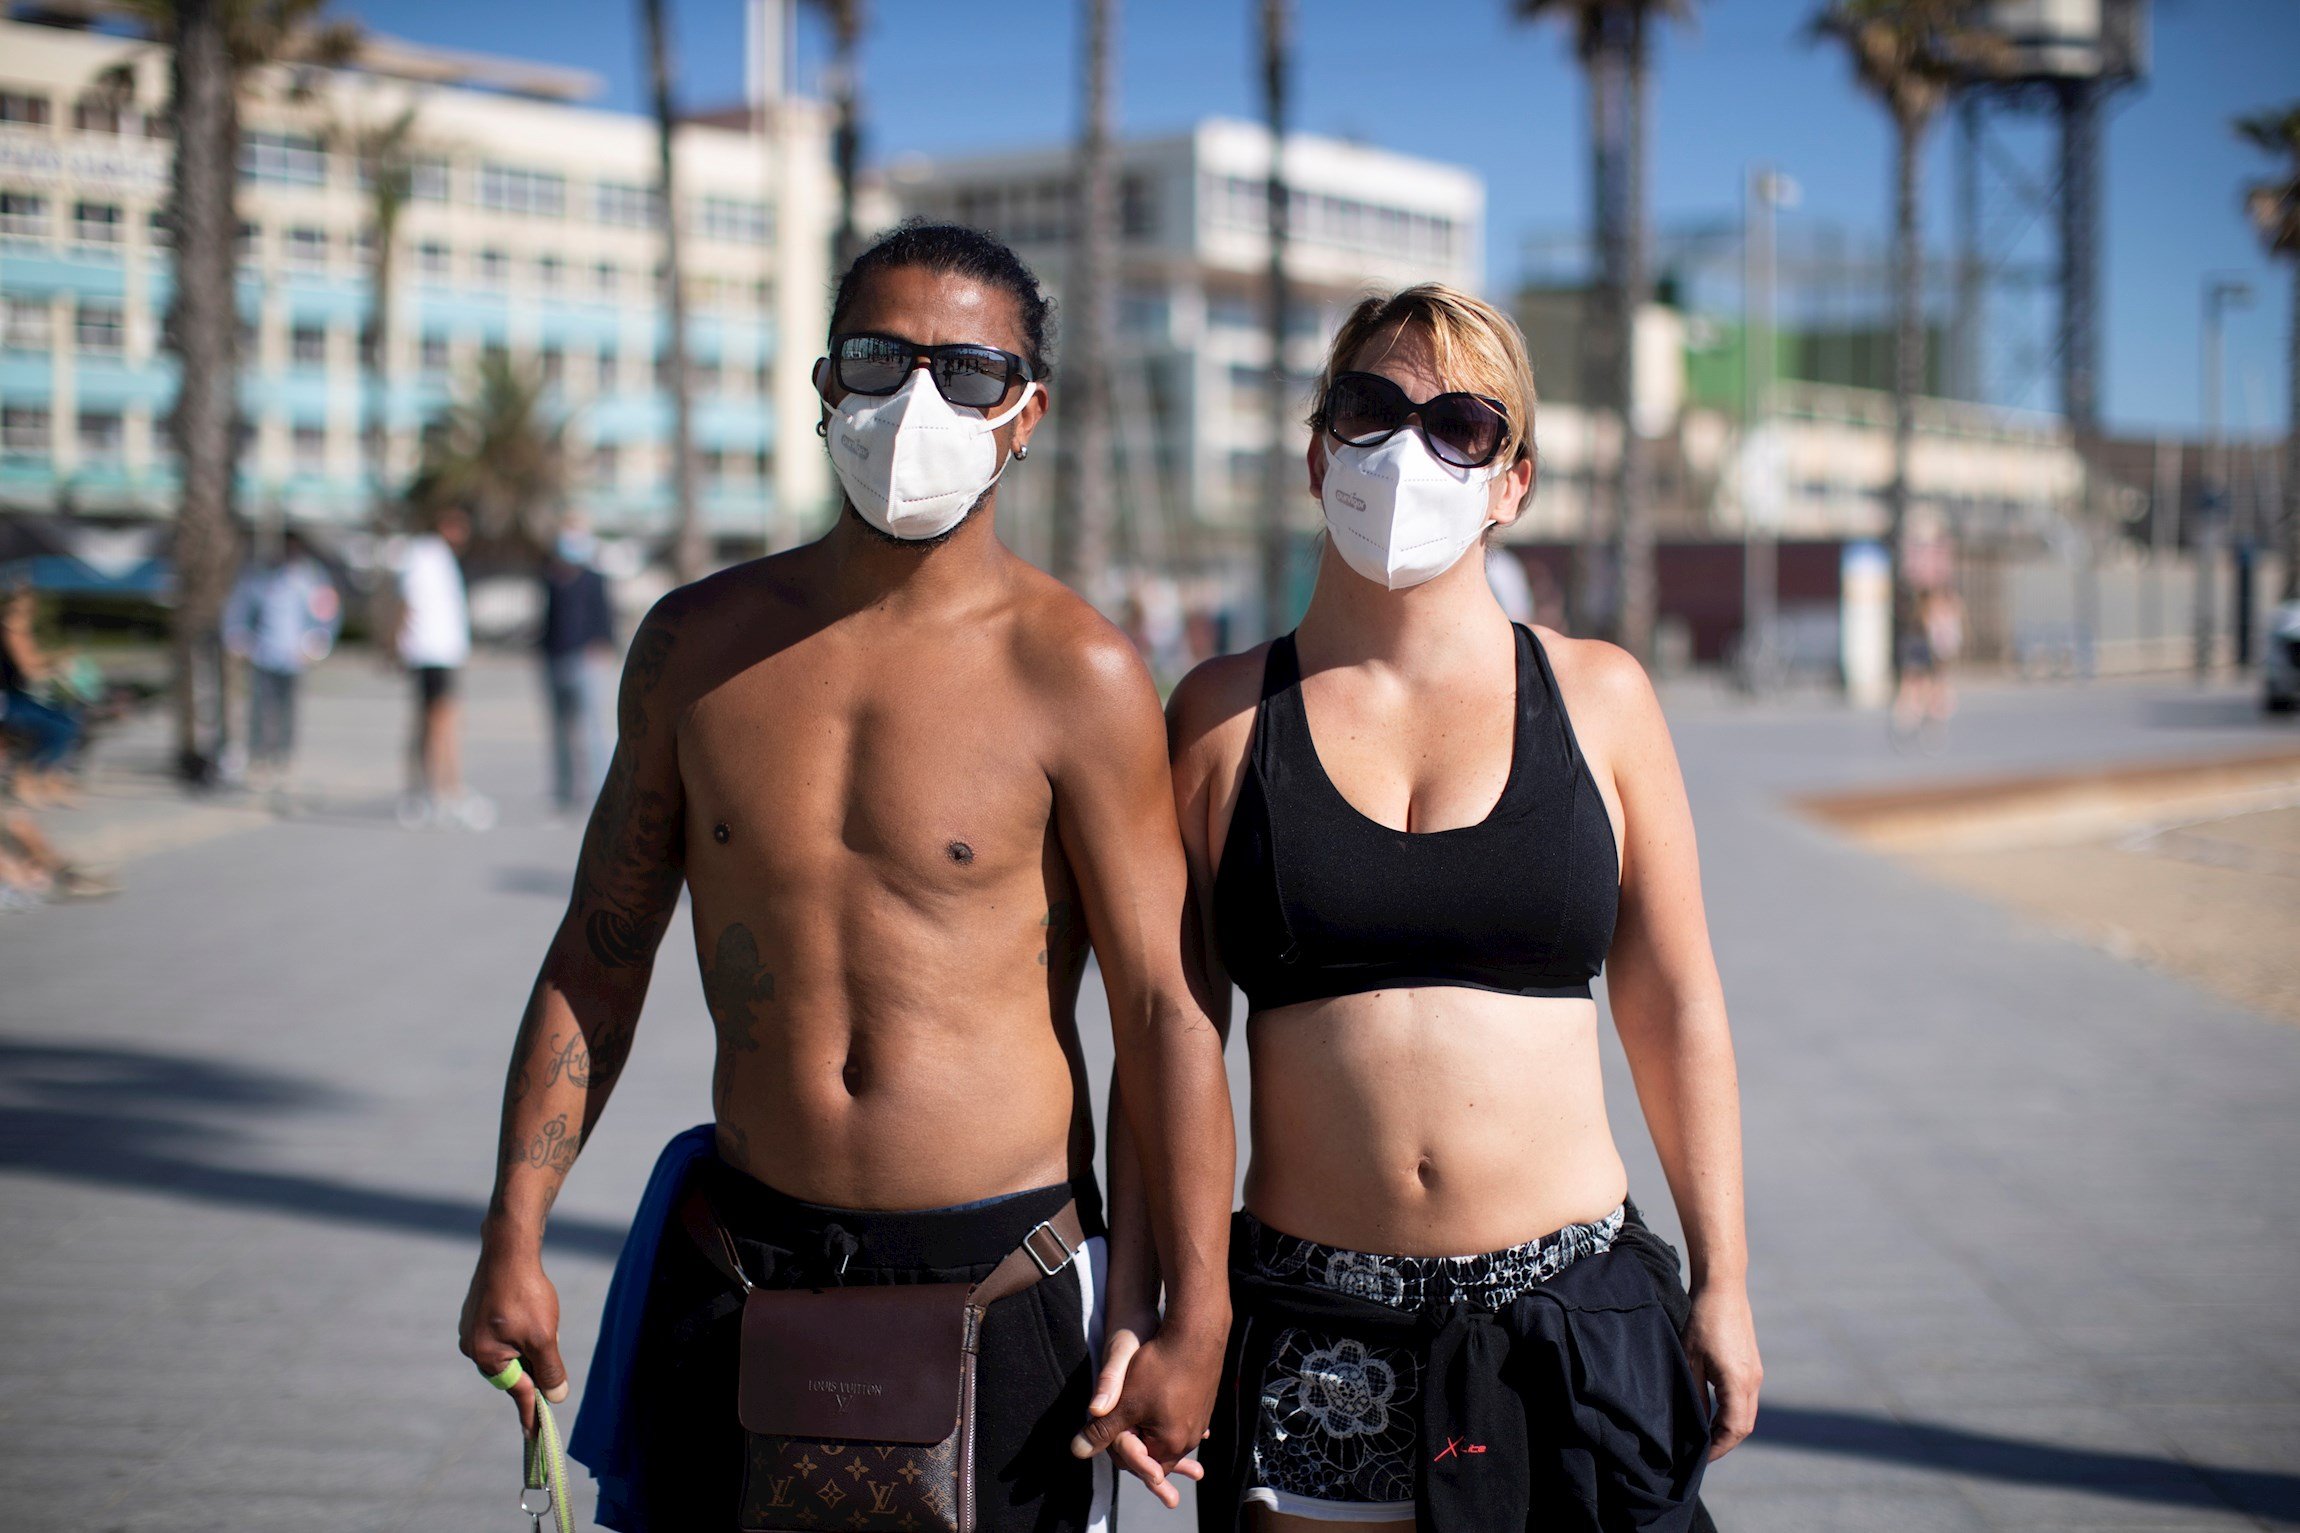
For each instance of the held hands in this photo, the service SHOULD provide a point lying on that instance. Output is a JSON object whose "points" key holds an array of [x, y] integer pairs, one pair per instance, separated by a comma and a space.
{"points": [[1721, 1343], [512, 1312], [1151, 1404]]}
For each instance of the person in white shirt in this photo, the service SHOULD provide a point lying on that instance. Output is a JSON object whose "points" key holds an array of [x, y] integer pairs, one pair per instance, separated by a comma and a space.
{"points": [[434, 642]]}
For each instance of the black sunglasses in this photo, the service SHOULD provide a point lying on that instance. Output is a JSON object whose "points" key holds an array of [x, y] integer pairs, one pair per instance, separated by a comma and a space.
{"points": [[975, 376], [1366, 409]]}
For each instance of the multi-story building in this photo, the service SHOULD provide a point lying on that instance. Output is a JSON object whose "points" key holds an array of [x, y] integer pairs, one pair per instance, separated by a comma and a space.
{"points": [[1190, 374], [533, 231]]}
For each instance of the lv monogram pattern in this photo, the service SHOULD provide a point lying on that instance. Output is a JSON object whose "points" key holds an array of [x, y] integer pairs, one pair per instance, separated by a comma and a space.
{"points": [[790, 1486]]}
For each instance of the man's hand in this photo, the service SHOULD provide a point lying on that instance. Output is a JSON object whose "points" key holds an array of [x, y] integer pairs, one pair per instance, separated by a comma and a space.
{"points": [[1151, 1404], [1721, 1343], [512, 1311]]}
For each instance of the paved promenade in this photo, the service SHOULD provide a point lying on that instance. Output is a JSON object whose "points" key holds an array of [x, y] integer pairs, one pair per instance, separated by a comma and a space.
{"points": [[2026, 1217]]}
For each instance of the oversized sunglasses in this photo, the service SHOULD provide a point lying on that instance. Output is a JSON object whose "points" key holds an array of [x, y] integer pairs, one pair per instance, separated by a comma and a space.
{"points": [[1366, 410], [976, 376]]}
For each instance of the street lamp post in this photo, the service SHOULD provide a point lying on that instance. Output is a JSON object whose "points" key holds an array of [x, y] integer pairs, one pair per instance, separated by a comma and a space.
{"points": [[2220, 295], [1764, 191]]}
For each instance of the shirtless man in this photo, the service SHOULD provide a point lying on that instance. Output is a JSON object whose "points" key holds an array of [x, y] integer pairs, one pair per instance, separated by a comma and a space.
{"points": [[909, 780]]}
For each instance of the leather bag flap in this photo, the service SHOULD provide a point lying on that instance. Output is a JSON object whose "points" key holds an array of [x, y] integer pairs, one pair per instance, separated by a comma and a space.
{"points": [[877, 1364]]}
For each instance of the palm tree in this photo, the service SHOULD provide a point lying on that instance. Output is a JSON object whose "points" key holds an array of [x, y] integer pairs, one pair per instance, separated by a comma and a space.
{"points": [[688, 553], [1277, 478], [214, 45], [1911, 55], [1613, 39], [1083, 510], [500, 453], [2274, 205], [846, 23], [387, 168]]}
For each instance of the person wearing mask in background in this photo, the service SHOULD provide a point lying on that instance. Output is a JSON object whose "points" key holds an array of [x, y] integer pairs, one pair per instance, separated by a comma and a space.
{"points": [[907, 781], [46, 736], [282, 619], [434, 642], [578, 645], [1416, 832]]}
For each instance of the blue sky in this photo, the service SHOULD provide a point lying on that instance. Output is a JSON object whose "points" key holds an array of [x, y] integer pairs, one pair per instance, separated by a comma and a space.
{"points": [[1458, 80]]}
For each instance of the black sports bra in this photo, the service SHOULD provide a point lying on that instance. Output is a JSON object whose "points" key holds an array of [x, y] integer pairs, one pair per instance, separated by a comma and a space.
{"points": [[1313, 899]]}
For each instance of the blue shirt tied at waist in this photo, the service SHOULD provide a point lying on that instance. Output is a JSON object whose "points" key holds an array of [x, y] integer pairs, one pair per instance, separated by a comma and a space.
{"points": [[605, 1440], [1575, 1401]]}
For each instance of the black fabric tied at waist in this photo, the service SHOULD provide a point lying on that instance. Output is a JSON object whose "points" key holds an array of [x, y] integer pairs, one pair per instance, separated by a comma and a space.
{"points": [[1575, 1402]]}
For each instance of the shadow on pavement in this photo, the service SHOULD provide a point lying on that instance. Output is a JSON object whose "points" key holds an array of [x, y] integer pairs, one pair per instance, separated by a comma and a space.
{"points": [[146, 1121], [2217, 711], [2021, 1461]]}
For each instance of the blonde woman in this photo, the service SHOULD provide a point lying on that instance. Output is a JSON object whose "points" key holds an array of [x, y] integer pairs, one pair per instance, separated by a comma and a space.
{"points": [[1417, 832]]}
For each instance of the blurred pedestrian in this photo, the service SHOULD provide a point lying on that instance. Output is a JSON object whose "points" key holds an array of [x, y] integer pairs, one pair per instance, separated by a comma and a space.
{"points": [[47, 735], [282, 619], [578, 645], [1931, 639], [434, 642]]}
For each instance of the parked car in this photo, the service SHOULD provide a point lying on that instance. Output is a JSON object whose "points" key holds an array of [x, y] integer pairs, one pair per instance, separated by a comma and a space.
{"points": [[2280, 668]]}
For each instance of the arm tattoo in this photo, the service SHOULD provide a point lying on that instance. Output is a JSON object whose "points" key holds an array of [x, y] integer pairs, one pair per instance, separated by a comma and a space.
{"points": [[627, 882], [550, 1148], [569, 1059]]}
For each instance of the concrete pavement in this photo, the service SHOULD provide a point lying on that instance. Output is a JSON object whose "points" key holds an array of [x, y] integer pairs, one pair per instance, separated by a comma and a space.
{"points": [[2024, 1216]]}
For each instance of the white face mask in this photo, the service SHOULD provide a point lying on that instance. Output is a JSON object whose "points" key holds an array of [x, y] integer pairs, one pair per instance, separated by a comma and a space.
{"points": [[911, 462], [1397, 514]]}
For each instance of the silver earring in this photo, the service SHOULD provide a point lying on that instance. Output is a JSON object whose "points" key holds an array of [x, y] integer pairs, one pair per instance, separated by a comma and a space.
{"points": [[1022, 451], [823, 428]]}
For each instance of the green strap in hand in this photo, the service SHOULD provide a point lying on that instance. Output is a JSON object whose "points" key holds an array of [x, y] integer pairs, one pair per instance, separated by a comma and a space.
{"points": [[542, 1461]]}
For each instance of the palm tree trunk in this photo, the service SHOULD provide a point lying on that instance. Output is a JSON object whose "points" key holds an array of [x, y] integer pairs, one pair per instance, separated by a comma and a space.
{"points": [[2291, 529], [1278, 475], [1633, 518], [373, 350], [1908, 353], [203, 331], [1084, 513], [688, 551], [846, 132], [1594, 608]]}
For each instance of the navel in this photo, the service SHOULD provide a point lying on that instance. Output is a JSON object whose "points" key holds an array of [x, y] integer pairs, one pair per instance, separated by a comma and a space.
{"points": [[959, 852]]}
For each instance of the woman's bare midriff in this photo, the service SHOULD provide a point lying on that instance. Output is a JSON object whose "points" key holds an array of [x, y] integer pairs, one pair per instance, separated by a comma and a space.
{"points": [[1433, 1121]]}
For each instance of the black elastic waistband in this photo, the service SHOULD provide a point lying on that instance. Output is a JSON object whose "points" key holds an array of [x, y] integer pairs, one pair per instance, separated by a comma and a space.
{"points": [[969, 1235]]}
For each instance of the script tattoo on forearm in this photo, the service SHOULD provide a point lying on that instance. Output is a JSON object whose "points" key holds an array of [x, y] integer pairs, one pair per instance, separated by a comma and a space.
{"points": [[551, 1148], [570, 1061]]}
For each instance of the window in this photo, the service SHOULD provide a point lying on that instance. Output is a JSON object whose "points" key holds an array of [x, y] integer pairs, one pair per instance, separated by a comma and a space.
{"points": [[762, 380], [98, 223], [739, 219], [494, 267], [24, 429], [27, 327], [762, 294], [603, 373], [308, 448], [606, 462], [514, 189], [554, 365], [251, 240], [94, 115], [289, 159], [307, 248], [99, 330], [23, 107], [428, 178], [1137, 208], [626, 206], [607, 276], [551, 272], [23, 215], [307, 345], [103, 436], [434, 357], [159, 229], [432, 259]]}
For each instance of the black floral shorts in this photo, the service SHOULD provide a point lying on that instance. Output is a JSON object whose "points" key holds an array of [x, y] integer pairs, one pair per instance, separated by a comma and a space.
{"points": [[1337, 1430]]}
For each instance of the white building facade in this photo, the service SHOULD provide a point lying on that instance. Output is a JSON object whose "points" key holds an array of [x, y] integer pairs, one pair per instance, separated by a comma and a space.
{"points": [[1190, 376], [532, 231]]}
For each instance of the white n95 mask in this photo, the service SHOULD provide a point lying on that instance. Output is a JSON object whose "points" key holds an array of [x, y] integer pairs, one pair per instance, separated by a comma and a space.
{"points": [[1399, 516], [912, 463]]}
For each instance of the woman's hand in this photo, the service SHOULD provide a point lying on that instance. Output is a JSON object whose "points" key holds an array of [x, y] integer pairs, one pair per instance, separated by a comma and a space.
{"points": [[1721, 1343]]}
